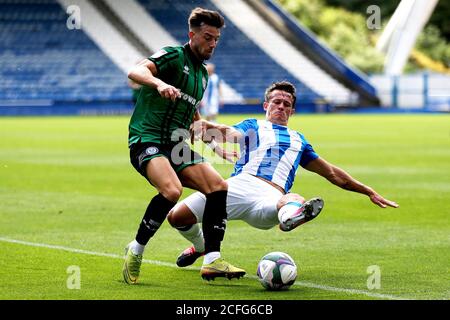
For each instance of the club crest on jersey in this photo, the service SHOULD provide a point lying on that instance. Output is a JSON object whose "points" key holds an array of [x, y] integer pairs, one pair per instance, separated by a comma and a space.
{"points": [[151, 151], [158, 54], [204, 82], [186, 70]]}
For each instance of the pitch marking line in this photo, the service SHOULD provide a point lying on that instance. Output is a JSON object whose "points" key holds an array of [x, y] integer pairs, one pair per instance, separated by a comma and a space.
{"points": [[173, 265]]}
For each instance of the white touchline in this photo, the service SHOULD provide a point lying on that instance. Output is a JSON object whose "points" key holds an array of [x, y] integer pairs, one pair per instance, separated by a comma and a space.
{"points": [[173, 265]]}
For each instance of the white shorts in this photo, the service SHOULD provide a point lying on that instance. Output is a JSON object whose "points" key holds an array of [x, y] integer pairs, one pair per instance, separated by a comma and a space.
{"points": [[249, 199]]}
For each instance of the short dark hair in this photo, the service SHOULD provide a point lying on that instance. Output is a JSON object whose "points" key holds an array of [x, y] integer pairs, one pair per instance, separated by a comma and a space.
{"points": [[283, 86], [201, 16]]}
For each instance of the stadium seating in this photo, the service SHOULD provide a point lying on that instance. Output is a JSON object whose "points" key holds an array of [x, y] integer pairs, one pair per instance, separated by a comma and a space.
{"points": [[41, 59], [240, 62]]}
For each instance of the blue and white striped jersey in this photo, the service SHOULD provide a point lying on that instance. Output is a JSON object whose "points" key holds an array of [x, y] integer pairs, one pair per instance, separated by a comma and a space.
{"points": [[272, 152]]}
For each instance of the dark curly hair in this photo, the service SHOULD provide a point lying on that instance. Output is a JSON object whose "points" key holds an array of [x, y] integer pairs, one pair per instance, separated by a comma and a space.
{"points": [[201, 16]]}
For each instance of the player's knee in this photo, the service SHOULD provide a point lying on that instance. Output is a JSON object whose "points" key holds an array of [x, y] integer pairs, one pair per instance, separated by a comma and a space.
{"points": [[181, 216], [172, 193], [176, 221], [171, 218]]}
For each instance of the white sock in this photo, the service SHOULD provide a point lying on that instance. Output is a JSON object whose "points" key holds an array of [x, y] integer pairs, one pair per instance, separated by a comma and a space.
{"points": [[136, 247], [195, 236], [210, 257]]}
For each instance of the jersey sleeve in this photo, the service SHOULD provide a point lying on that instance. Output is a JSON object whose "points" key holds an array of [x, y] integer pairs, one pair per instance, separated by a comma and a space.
{"points": [[246, 125], [165, 59], [308, 153]]}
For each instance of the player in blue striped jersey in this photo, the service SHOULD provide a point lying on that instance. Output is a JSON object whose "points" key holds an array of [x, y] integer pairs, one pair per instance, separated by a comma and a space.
{"points": [[272, 152], [258, 191]]}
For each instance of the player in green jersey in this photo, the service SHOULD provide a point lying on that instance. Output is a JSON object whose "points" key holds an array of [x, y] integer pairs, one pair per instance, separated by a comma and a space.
{"points": [[173, 82]]}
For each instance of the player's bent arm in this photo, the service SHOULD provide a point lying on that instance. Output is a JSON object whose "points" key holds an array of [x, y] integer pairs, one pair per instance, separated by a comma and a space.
{"points": [[342, 179], [133, 85], [145, 73], [229, 155], [220, 132], [337, 176], [211, 133]]}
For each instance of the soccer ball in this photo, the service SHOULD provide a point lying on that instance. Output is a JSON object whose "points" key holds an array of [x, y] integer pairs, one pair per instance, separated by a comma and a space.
{"points": [[277, 271]]}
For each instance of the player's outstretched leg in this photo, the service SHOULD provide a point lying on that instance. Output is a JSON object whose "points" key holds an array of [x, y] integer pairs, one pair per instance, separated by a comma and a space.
{"points": [[294, 214]]}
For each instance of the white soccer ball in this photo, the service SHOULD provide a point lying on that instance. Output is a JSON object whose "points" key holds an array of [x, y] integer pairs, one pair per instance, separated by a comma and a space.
{"points": [[277, 271]]}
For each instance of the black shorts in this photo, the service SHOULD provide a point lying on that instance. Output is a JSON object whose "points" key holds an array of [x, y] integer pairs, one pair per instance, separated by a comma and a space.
{"points": [[180, 155]]}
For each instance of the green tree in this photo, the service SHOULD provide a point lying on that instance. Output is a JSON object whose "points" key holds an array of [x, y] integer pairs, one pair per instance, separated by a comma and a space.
{"points": [[306, 12], [341, 24], [343, 31], [439, 18], [355, 48], [433, 44]]}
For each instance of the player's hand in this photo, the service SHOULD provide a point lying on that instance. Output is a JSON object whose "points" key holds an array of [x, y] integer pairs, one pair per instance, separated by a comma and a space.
{"points": [[197, 130], [168, 91], [382, 202]]}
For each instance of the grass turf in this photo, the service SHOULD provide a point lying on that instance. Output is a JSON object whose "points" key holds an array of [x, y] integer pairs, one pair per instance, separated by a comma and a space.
{"points": [[67, 181]]}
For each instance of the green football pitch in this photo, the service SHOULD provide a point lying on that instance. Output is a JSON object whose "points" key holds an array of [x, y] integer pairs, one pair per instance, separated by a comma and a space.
{"points": [[70, 202]]}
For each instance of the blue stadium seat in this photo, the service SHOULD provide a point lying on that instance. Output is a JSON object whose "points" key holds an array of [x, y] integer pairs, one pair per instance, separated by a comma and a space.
{"points": [[41, 59]]}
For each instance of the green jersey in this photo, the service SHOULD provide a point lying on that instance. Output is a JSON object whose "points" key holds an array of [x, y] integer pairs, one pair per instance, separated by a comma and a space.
{"points": [[155, 118]]}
